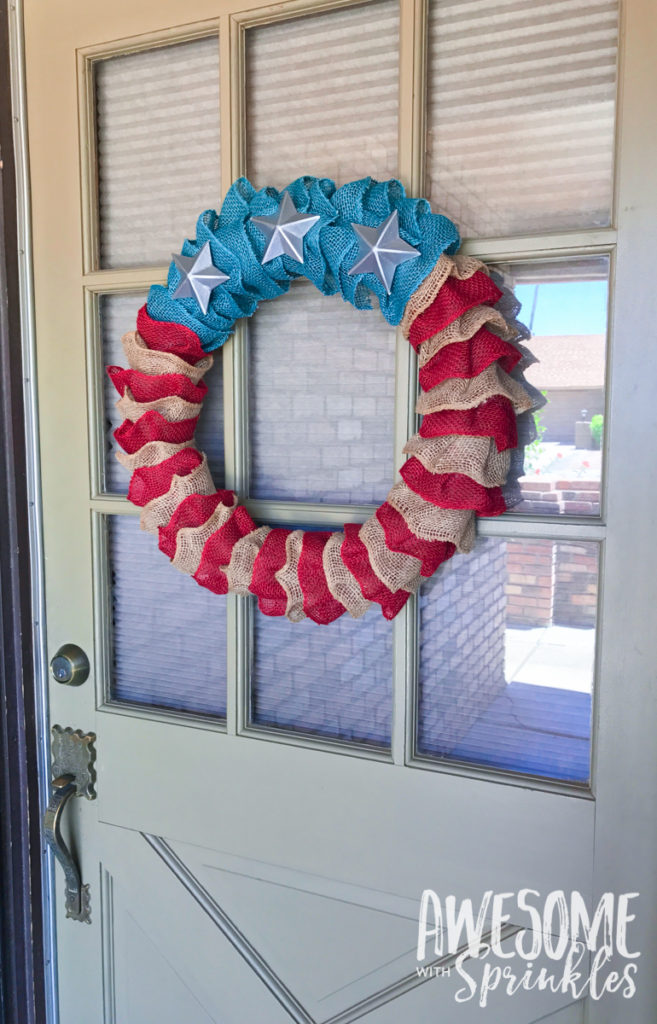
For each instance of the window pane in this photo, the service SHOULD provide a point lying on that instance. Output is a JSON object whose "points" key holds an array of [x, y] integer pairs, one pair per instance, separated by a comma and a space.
{"points": [[521, 113], [322, 383], [168, 634], [157, 115], [330, 681], [118, 315], [564, 304], [507, 638], [321, 95]]}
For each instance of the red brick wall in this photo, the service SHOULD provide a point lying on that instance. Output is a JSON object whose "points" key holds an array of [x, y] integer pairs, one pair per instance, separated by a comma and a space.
{"points": [[551, 584], [576, 585], [573, 497], [529, 588]]}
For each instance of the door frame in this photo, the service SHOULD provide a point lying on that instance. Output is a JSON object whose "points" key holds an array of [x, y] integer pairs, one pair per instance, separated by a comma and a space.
{"points": [[28, 990]]}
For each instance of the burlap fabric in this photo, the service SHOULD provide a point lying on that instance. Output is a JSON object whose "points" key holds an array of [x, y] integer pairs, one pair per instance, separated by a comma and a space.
{"points": [[386, 558]]}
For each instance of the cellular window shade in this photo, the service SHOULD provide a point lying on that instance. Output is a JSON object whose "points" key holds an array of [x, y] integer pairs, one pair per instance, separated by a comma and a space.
{"points": [[521, 113], [157, 123], [333, 682], [168, 634], [321, 400], [322, 96]]}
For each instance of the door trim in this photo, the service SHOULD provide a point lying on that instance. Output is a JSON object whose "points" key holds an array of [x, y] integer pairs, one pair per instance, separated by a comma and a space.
{"points": [[26, 689]]}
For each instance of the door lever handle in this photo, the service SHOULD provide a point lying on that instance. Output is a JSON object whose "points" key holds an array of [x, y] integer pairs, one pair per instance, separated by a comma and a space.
{"points": [[77, 894], [74, 774]]}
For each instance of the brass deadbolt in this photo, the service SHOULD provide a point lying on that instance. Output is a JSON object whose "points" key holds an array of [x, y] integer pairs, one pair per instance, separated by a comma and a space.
{"points": [[70, 665]]}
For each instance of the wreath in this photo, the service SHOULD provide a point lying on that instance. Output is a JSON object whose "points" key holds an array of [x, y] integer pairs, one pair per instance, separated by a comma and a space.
{"points": [[364, 238]]}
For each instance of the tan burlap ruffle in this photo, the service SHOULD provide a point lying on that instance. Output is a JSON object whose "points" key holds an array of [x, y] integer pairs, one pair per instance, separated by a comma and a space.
{"points": [[240, 569], [461, 267], [428, 522], [151, 454], [343, 586], [458, 393], [288, 577], [158, 512], [397, 570], [191, 540], [151, 361], [464, 328], [476, 457], [172, 408]]}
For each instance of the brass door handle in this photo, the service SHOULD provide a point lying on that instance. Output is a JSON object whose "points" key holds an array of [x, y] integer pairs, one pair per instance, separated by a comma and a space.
{"points": [[77, 894]]}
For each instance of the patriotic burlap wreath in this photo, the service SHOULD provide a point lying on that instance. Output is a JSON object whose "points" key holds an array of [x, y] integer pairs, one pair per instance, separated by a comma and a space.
{"points": [[364, 238]]}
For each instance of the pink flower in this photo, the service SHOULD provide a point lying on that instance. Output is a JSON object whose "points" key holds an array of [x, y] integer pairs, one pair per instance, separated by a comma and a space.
{"points": [[585, 463], [538, 472], [560, 455]]}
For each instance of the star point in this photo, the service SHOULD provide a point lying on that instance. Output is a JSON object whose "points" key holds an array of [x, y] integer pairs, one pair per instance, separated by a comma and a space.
{"points": [[285, 230], [381, 250], [198, 276]]}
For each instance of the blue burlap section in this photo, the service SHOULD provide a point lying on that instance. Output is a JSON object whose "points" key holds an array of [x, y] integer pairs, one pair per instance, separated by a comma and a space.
{"points": [[330, 249]]}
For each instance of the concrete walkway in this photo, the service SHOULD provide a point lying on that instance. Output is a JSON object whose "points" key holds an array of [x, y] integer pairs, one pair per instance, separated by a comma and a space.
{"points": [[557, 656]]}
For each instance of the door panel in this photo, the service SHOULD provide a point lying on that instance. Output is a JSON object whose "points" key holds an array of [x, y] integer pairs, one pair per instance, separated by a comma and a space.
{"points": [[284, 927], [271, 804], [249, 798]]}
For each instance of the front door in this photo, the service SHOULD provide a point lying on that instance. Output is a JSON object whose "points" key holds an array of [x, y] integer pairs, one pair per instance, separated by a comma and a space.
{"points": [[273, 798]]}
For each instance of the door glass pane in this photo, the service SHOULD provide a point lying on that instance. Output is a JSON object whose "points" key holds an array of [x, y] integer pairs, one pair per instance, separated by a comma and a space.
{"points": [[321, 392], [564, 303], [118, 315], [322, 97], [157, 125], [333, 681], [168, 634], [507, 638], [521, 113]]}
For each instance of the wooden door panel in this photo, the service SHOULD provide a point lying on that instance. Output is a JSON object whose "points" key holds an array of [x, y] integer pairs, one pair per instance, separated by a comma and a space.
{"points": [[153, 919], [237, 878], [373, 824], [191, 934]]}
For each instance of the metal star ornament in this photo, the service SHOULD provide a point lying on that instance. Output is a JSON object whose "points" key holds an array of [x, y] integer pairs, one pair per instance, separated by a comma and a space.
{"points": [[381, 250], [198, 276], [285, 230]]}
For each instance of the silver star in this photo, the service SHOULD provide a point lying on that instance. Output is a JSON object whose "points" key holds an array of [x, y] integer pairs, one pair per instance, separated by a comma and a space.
{"points": [[198, 276], [381, 250], [285, 230]]}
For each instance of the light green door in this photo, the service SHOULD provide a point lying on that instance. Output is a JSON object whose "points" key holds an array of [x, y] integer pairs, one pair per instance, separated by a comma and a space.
{"points": [[272, 799]]}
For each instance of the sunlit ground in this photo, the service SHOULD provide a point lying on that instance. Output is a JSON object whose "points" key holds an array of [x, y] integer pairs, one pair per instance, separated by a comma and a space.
{"points": [[557, 656]]}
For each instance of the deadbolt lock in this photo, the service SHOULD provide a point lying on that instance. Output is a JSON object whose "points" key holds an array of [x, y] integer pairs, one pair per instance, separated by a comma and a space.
{"points": [[70, 665]]}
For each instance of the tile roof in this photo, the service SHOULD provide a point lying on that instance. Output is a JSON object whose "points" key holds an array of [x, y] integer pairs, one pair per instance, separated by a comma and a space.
{"points": [[567, 361]]}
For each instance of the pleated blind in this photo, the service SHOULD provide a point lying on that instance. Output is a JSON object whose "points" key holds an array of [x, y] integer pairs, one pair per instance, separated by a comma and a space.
{"points": [[322, 96], [521, 113], [157, 122]]}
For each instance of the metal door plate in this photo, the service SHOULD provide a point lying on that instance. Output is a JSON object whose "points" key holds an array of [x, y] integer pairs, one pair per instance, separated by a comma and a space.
{"points": [[74, 754]]}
